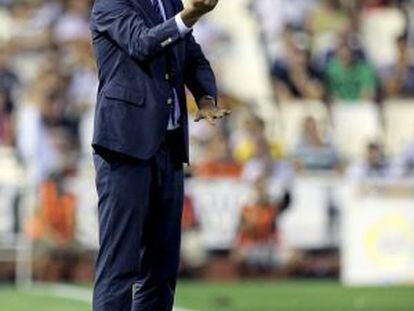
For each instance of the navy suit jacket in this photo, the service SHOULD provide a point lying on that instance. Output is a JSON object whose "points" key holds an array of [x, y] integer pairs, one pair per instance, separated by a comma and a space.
{"points": [[140, 60]]}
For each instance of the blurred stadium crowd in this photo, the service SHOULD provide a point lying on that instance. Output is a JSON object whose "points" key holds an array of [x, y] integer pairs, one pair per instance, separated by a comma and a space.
{"points": [[342, 75]]}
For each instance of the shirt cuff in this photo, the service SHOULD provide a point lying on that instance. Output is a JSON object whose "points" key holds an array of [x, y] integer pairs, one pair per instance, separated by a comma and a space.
{"points": [[182, 28]]}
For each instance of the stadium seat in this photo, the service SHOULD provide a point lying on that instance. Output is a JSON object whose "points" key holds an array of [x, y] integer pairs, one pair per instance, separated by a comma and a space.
{"points": [[354, 126], [399, 125], [292, 116], [309, 212], [390, 24]]}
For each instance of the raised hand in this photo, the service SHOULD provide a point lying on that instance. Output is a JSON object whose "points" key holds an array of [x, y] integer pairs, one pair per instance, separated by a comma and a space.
{"points": [[194, 9], [209, 111], [201, 7]]}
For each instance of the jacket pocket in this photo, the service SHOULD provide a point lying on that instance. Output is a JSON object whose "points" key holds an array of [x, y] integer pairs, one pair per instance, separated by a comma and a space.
{"points": [[124, 94]]}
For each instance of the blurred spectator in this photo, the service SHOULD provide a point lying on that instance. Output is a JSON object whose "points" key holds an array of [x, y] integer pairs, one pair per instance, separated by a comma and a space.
{"points": [[82, 90], [375, 164], [313, 152], [56, 216], [53, 228], [194, 256], [274, 175], [5, 25], [380, 24], [47, 12], [247, 138], [294, 75], [9, 80], [399, 80], [216, 149], [349, 77], [403, 163], [48, 129], [261, 163], [6, 126], [256, 246], [275, 15], [211, 151], [9, 83], [74, 23], [325, 21], [25, 33]]}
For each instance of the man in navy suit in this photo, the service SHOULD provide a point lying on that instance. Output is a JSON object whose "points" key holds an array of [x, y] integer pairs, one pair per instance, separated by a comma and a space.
{"points": [[146, 55]]}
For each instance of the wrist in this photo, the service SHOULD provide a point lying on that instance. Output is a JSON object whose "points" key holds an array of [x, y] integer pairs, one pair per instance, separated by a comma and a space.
{"points": [[189, 17], [206, 102]]}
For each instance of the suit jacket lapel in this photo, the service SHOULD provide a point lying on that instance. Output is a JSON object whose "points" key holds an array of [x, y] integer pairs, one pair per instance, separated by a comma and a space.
{"points": [[169, 9], [146, 7]]}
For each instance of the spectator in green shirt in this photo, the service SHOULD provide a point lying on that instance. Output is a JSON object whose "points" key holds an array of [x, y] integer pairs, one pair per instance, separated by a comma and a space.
{"points": [[349, 77]]}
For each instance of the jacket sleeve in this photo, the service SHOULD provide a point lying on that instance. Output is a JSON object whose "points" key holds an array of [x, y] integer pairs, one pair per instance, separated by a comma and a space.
{"points": [[123, 24], [199, 77]]}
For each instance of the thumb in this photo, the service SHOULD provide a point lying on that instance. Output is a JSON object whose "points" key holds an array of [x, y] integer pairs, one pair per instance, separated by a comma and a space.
{"points": [[199, 116]]}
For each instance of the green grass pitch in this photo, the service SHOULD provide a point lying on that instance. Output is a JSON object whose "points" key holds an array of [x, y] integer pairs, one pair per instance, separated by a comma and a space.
{"points": [[245, 296]]}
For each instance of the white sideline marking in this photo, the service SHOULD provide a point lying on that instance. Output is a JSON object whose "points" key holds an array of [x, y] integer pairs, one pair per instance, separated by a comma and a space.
{"points": [[68, 292]]}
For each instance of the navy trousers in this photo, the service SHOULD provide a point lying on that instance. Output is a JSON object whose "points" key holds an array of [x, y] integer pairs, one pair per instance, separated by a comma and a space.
{"points": [[140, 208]]}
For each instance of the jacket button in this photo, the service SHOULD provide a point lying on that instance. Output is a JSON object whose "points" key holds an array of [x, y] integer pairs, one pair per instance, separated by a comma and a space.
{"points": [[166, 42], [169, 101]]}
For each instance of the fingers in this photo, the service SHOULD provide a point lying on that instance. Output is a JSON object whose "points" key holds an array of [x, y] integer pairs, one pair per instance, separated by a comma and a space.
{"points": [[212, 116], [211, 119], [221, 113]]}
